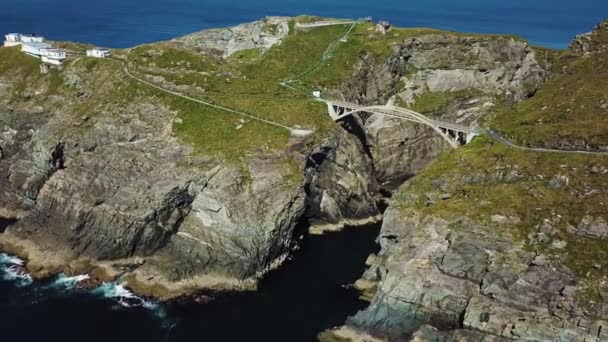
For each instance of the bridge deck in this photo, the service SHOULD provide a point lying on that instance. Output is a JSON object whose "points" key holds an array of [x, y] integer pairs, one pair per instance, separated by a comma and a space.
{"points": [[400, 113]]}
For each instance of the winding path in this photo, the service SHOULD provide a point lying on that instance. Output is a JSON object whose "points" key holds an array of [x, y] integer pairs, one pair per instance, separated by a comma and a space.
{"points": [[442, 128], [326, 55], [293, 131], [496, 136]]}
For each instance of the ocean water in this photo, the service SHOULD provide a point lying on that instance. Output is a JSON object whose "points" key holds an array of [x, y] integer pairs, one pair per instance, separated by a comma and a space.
{"points": [[124, 23], [306, 296]]}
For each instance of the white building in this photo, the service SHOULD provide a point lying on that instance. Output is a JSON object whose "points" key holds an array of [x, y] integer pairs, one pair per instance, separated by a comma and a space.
{"points": [[316, 94], [34, 49], [31, 38], [53, 56], [98, 53], [12, 39]]}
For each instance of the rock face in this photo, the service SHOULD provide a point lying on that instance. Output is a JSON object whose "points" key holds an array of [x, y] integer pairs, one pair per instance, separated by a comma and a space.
{"points": [[129, 197], [342, 184], [595, 41], [261, 35], [399, 148], [444, 62], [451, 274], [437, 63]]}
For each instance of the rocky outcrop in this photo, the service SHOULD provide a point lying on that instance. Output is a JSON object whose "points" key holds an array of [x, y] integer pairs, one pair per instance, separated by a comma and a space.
{"points": [[595, 41], [446, 64], [128, 197], [451, 274], [260, 35], [342, 184], [449, 62], [400, 149]]}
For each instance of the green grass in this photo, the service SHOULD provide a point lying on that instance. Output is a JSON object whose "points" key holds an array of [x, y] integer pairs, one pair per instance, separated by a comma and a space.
{"points": [[362, 40], [432, 102], [25, 70], [570, 111]]}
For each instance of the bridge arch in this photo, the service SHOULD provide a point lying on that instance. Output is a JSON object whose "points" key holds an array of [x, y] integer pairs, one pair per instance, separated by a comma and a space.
{"points": [[455, 135]]}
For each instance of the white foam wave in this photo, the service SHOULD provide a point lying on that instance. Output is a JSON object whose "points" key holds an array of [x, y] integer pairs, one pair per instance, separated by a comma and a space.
{"points": [[124, 297], [6, 259], [15, 273], [64, 281], [11, 269]]}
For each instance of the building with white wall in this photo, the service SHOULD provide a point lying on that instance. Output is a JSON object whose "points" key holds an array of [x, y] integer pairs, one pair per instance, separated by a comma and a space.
{"points": [[12, 39], [53, 56], [31, 38], [98, 52], [34, 49], [36, 46]]}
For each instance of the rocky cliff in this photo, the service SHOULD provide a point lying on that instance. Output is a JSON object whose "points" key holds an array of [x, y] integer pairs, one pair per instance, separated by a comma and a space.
{"points": [[260, 35], [454, 77], [110, 196], [96, 171], [592, 42], [491, 243]]}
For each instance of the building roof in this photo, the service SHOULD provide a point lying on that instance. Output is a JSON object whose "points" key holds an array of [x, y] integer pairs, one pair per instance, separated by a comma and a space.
{"points": [[55, 50], [37, 45], [99, 49]]}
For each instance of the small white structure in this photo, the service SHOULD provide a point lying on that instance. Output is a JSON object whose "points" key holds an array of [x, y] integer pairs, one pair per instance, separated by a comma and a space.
{"points": [[36, 46], [31, 38], [98, 52], [34, 49], [53, 56], [12, 39], [316, 94]]}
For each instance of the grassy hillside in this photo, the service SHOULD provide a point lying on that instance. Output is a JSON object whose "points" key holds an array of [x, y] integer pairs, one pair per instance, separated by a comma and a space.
{"points": [[247, 81], [544, 196], [569, 112]]}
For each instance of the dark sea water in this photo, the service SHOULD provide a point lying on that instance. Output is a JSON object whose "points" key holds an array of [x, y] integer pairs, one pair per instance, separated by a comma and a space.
{"points": [[124, 23], [295, 303]]}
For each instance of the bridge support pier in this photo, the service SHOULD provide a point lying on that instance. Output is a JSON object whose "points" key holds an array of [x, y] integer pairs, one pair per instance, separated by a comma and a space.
{"points": [[332, 111]]}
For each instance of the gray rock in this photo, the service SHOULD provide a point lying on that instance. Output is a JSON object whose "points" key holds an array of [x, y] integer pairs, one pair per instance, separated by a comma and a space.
{"points": [[341, 178], [123, 187], [590, 226], [559, 181], [592, 42], [493, 66], [262, 34]]}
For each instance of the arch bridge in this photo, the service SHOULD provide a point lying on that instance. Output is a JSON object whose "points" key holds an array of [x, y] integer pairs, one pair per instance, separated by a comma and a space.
{"points": [[456, 135]]}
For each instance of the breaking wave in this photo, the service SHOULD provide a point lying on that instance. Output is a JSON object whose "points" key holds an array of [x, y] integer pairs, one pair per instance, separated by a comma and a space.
{"points": [[11, 268], [69, 283], [120, 294]]}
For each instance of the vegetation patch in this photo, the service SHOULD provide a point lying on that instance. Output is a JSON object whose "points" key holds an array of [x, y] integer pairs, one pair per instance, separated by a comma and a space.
{"points": [[433, 102], [570, 111]]}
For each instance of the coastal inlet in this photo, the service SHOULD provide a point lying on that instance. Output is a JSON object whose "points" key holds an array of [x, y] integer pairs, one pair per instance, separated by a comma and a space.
{"points": [[311, 293]]}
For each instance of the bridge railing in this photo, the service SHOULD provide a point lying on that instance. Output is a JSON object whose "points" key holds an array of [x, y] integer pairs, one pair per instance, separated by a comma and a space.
{"points": [[404, 113]]}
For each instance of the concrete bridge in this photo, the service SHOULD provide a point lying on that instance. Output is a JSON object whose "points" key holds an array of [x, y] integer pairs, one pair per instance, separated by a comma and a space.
{"points": [[456, 135]]}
